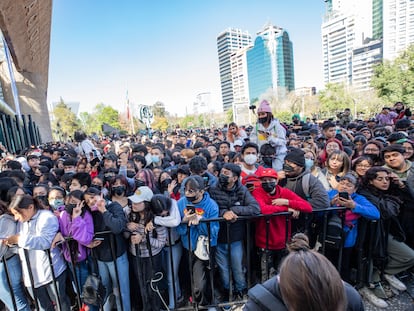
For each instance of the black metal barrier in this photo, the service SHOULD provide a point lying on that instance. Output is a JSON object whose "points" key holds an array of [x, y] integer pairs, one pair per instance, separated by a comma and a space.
{"points": [[364, 273], [18, 133]]}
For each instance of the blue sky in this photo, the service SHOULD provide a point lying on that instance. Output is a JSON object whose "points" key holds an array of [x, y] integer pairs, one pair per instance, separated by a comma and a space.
{"points": [[165, 50]]}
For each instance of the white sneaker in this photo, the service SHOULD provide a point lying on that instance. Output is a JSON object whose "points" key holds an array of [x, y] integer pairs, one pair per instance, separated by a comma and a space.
{"points": [[394, 282], [370, 296]]}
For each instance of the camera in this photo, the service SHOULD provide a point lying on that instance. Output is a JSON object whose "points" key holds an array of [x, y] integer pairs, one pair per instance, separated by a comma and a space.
{"points": [[190, 208]]}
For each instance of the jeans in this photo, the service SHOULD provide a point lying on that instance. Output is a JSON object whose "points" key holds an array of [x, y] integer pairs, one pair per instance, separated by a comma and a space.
{"points": [[109, 280], [15, 273], [177, 251], [81, 272], [46, 294], [222, 259]]}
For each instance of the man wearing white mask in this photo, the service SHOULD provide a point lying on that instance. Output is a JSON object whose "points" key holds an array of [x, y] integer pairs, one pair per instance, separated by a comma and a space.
{"points": [[250, 156]]}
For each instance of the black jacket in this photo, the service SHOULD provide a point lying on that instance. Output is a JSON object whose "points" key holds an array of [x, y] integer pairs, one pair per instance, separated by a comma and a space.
{"points": [[272, 285], [113, 220], [241, 202]]}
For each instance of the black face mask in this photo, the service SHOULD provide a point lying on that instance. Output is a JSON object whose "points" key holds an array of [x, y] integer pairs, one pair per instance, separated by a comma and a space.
{"points": [[176, 160], [288, 168], [118, 190], [43, 200], [166, 182], [131, 174], [191, 199], [262, 120], [224, 180], [269, 186], [97, 187], [69, 208], [268, 161], [374, 157], [139, 183]]}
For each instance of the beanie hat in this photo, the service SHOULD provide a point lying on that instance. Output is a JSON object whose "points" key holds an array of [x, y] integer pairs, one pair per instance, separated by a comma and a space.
{"points": [[296, 156], [264, 107]]}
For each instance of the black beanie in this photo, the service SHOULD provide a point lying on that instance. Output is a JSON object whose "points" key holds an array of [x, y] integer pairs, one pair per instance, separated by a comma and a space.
{"points": [[296, 156]]}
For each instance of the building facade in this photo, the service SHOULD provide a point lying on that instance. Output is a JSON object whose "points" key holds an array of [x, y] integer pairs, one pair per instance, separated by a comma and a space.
{"points": [[398, 28], [228, 42], [24, 64], [270, 64]]}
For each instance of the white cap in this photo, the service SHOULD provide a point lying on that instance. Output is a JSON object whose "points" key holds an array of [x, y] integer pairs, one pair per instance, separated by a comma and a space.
{"points": [[142, 194]]}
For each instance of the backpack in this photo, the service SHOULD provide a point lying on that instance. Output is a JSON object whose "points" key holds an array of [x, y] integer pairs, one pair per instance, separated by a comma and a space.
{"points": [[265, 299], [305, 185], [334, 232], [93, 291]]}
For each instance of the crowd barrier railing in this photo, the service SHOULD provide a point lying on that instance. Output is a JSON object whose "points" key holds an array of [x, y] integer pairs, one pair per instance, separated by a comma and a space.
{"points": [[248, 248]]}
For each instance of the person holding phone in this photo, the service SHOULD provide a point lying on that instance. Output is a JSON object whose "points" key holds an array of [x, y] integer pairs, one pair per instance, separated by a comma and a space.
{"points": [[269, 130], [76, 225], [357, 206]]}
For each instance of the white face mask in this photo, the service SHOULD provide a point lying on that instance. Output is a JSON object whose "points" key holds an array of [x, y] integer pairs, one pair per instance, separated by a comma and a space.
{"points": [[250, 159]]}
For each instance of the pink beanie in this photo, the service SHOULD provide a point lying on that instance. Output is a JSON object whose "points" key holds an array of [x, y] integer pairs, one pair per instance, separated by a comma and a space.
{"points": [[264, 107]]}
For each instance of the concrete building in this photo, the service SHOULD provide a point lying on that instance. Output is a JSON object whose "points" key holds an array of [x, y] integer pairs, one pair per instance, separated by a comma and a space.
{"points": [[270, 64], [398, 28], [363, 60], [241, 102], [25, 33], [229, 41], [349, 51]]}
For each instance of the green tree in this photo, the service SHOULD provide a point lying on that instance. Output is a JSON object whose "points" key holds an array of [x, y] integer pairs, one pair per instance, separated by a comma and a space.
{"points": [[89, 123], [106, 114], [160, 123], [335, 98], [394, 81], [65, 122]]}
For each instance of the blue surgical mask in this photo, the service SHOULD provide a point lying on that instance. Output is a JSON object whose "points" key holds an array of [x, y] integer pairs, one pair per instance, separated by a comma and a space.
{"points": [[155, 158], [56, 203], [309, 163]]}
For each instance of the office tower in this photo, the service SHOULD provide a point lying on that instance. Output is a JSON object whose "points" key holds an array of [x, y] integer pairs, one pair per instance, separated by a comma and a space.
{"points": [[377, 16], [348, 25], [270, 64], [398, 28], [229, 41]]}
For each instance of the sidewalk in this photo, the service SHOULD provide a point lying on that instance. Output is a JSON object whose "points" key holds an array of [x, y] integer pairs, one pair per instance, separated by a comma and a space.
{"points": [[401, 302]]}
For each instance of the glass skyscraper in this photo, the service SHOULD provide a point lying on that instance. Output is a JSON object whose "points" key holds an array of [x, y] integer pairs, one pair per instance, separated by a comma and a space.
{"points": [[270, 64]]}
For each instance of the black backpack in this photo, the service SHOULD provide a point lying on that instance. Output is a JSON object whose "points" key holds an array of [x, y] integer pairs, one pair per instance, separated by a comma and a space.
{"points": [[93, 291], [334, 232]]}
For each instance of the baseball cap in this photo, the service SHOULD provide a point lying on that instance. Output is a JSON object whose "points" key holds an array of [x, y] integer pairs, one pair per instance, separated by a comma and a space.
{"points": [[266, 172], [238, 142], [142, 194]]}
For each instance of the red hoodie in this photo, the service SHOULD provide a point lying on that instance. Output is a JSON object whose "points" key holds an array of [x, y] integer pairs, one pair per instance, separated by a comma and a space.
{"points": [[277, 225]]}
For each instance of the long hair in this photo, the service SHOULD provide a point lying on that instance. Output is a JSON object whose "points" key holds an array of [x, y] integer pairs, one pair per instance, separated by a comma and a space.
{"points": [[309, 281]]}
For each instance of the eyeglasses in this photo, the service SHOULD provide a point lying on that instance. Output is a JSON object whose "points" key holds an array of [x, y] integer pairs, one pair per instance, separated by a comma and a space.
{"points": [[409, 149], [371, 150]]}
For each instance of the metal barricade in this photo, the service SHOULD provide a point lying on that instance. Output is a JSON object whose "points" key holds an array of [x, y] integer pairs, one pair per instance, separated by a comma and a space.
{"points": [[249, 222]]}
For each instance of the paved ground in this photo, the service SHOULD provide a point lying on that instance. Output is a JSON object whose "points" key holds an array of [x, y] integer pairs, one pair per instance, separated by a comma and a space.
{"points": [[402, 302]]}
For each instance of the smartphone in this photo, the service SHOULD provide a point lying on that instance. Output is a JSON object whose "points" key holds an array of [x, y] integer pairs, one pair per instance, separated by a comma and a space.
{"points": [[190, 208], [344, 195]]}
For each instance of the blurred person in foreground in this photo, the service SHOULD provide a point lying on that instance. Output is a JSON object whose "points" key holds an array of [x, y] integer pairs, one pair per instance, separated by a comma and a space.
{"points": [[307, 281]]}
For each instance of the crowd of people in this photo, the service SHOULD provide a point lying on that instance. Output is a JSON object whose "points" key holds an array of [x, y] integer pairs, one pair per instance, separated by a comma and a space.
{"points": [[162, 220]]}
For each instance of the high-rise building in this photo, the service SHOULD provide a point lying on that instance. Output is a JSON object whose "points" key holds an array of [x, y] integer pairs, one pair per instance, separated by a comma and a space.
{"points": [[270, 64], [348, 25], [398, 28], [363, 60], [377, 18], [229, 41]]}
